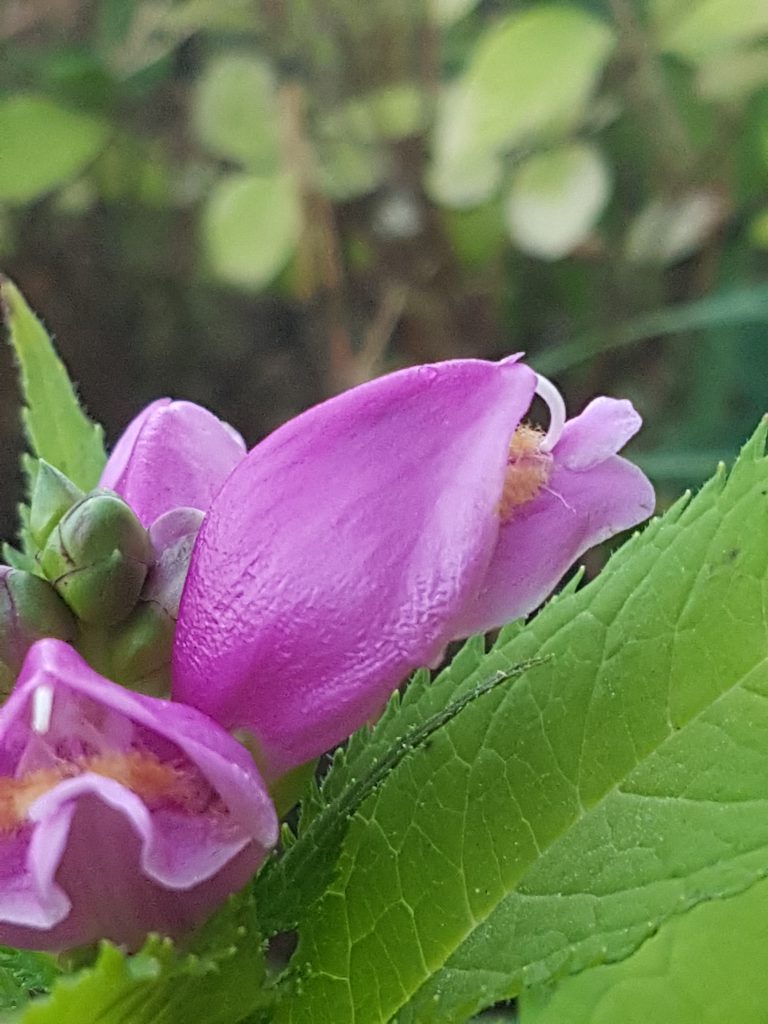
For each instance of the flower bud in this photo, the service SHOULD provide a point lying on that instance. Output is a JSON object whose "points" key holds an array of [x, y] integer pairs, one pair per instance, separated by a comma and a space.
{"points": [[140, 650], [52, 496], [30, 610], [97, 558]]}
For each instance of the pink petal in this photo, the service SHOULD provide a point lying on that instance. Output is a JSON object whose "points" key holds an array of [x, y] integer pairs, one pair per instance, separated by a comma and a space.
{"points": [[544, 538], [91, 858], [338, 554], [172, 454], [600, 431]]}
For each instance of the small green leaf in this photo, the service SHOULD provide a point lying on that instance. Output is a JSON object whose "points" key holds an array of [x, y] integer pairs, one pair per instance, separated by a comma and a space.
{"points": [[686, 973], [24, 975], [556, 198], [44, 145], [251, 227], [699, 29], [57, 428], [222, 982], [530, 78], [561, 819], [234, 112]]}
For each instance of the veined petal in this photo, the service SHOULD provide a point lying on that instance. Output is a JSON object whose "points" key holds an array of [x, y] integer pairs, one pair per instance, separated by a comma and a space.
{"points": [[172, 454], [543, 538], [119, 814], [339, 553]]}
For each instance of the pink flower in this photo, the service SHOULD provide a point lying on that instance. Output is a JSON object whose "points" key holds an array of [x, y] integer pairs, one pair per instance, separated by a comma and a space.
{"points": [[361, 537], [119, 814], [172, 454]]}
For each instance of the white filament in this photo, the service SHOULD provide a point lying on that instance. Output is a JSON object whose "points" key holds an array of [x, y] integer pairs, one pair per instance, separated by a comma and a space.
{"points": [[546, 389], [42, 707]]}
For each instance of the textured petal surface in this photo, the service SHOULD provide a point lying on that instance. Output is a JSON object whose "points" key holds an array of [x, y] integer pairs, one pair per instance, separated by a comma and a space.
{"points": [[123, 814], [544, 538], [172, 454], [339, 553]]}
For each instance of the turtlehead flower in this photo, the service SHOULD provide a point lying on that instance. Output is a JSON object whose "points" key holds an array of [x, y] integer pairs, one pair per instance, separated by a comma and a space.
{"points": [[358, 539], [119, 814], [172, 454]]}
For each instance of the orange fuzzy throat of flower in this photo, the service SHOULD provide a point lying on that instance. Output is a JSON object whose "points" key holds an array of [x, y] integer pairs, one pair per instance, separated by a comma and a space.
{"points": [[528, 470], [156, 782]]}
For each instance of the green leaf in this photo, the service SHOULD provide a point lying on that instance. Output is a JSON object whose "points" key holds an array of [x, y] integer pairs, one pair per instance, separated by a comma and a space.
{"points": [[529, 79], [686, 973], [556, 198], [724, 309], [702, 28], [57, 428], [222, 982], [234, 112], [251, 227], [44, 145], [23, 975], [559, 820]]}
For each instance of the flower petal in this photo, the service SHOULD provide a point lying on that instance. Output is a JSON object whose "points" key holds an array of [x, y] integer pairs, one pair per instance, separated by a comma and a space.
{"points": [[121, 814], [544, 538], [600, 431], [172, 454], [338, 554]]}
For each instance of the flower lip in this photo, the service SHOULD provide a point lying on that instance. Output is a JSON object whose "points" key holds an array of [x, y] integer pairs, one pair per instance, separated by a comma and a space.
{"points": [[96, 781]]}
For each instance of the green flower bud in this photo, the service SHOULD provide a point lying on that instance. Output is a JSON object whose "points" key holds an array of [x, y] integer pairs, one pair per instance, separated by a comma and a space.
{"points": [[141, 648], [52, 496], [30, 609], [97, 558]]}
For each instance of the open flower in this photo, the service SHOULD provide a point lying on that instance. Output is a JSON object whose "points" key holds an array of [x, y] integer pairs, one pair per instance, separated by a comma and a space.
{"points": [[361, 537], [119, 814]]}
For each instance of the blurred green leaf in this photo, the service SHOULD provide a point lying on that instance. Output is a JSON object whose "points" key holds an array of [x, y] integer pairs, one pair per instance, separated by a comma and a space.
{"points": [[446, 12], [740, 306], [346, 169], [687, 973], [234, 112], [529, 77], [556, 198], [699, 28], [670, 229], [251, 226], [44, 145], [58, 429], [731, 77]]}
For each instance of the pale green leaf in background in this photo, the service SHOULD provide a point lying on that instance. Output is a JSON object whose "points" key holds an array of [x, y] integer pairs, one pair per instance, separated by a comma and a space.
{"points": [[346, 169], [44, 145], [58, 429], [556, 198], [732, 77], [566, 815], [697, 29], [251, 226], [668, 230], [446, 12], [530, 77], [709, 966], [234, 112]]}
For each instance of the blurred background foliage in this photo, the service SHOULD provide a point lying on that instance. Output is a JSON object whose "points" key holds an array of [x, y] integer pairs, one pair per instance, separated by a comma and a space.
{"points": [[257, 204]]}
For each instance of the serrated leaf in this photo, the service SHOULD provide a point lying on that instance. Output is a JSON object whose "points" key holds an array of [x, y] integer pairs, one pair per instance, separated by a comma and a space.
{"points": [[221, 983], [44, 145], [23, 975], [686, 973], [57, 428], [251, 226], [560, 820]]}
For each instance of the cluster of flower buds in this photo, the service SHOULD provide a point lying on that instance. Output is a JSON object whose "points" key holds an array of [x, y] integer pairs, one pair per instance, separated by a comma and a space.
{"points": [[100, 580]]}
